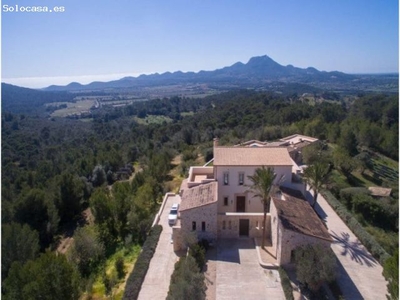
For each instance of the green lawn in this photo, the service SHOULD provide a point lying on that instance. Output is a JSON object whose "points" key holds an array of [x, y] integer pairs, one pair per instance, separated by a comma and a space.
{"points": [[73, 108]]}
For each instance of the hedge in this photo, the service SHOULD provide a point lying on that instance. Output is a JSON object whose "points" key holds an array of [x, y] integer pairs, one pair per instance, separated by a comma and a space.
{"points": [[136, 278], [366, 239], [286, 285], [187, 281]]}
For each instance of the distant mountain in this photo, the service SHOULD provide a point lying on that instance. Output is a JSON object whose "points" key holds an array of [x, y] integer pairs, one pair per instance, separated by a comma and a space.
{"points": [[257, 71], [23, 100]]}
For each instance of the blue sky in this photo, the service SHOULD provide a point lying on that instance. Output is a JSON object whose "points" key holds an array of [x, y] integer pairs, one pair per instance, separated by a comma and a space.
{"points": [[103, 40]]}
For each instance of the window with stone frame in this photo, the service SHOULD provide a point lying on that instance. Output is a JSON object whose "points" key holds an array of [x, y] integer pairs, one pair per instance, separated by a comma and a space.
{"points": [[226, 201], [241, 178], [226, 178]]}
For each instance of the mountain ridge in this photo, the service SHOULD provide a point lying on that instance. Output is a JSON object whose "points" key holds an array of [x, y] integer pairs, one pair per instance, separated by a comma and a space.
{"points": [[257, 70]]}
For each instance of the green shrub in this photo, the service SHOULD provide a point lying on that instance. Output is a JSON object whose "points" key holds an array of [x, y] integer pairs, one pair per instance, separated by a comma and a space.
{"points": [[315, 265], [119, 267], [366, 239], [347, 194], [286, 285], [391, 273], [389, 240], [199, 254], [187, 282], [135, 279]]}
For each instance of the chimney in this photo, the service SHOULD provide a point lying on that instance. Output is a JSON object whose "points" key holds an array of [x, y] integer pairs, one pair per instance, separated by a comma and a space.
{"points": [[216, 142]]}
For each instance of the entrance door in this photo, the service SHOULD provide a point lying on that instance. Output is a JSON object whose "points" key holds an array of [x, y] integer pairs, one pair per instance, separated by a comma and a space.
{"points": [[240, 204], [244, 227]]}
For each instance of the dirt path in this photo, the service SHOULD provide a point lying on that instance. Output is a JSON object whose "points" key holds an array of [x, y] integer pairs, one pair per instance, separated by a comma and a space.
{"points": [[67, 238]]}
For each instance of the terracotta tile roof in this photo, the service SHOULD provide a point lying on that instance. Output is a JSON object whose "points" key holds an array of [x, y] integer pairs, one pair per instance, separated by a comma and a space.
{"points": [[245, 156], [198, 196], [297, 215]]}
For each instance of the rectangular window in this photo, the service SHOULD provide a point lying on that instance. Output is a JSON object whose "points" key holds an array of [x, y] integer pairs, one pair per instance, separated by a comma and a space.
{"points": [[203, 226], [241, 178], [226, 201], [223, 225], [226, 178], [193, 225]]}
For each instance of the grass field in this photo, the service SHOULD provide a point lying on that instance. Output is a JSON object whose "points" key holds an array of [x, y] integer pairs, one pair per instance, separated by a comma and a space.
{"points": [[98, 289], [73, 108], [185, 114], [383, 171]]}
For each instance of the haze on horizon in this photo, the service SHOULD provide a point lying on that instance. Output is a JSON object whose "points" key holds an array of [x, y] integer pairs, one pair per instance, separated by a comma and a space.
{"points": [[97, 41]]}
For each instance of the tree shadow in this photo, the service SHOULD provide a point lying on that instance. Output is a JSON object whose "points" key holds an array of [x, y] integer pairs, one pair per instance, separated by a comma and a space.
{"points": [[355, 249], [317, 208], [375, 180], [353, 180], [320, 212]]}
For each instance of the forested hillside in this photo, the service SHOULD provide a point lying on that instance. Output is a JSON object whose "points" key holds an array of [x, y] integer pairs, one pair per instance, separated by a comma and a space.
{"points": [[29, 101], [52, 170]]}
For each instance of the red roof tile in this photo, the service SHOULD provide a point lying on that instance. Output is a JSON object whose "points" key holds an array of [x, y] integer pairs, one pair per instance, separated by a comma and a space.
{"points": [[245, 156], [297, 215]]}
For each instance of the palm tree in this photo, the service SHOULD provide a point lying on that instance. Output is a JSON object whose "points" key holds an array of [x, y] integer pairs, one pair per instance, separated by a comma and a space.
{"points": [[316, 176], [263, 187]]}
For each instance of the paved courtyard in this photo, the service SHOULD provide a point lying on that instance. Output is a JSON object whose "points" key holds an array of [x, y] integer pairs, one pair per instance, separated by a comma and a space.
{"points": [[239, 274]]}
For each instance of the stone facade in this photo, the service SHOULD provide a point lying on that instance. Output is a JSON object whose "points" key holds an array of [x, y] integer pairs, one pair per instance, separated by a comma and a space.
{"points": [[201, 220], [284, 241], [289, 241]]}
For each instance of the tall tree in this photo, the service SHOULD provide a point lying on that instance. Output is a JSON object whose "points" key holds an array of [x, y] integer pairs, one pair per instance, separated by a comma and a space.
{"points": [[39, 212], [48, 277], [316, 176], [262, 185], [71, 193], [18, 243], [87, 249]]}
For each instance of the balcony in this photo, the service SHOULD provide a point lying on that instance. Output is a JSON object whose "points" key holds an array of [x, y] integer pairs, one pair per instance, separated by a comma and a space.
{"points": [[200, 175]]}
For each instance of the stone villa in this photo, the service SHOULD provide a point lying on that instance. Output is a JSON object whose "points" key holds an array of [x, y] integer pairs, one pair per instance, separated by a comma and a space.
{"points": [[216, 202]]}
